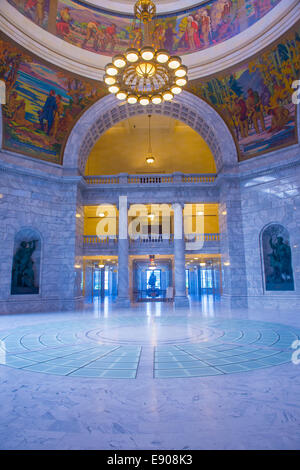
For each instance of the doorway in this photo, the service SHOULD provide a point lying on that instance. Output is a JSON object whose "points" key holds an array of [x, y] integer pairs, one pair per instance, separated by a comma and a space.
{"points": [[204, 278]]}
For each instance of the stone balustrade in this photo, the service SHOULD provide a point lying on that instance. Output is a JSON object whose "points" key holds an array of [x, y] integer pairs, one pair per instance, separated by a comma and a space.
{"points": [[208, 242], [150, 179]]}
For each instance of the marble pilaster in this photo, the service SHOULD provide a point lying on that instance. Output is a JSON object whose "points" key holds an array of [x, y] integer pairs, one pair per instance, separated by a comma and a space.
{"points": [[180, 298], [234, 288], [123, 259]]}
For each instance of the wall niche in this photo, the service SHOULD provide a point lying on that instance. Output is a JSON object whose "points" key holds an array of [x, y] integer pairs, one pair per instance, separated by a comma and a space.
{"points": [[26, 265], [277, 258]]}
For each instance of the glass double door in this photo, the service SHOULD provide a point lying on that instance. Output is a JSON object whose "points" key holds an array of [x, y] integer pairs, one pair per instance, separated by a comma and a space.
{"points": [[204, 281], [104, 283]]}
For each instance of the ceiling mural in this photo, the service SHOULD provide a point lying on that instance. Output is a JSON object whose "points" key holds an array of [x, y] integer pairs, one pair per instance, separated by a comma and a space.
{"points": [[106, 33], [42, 103], [255, 98]]}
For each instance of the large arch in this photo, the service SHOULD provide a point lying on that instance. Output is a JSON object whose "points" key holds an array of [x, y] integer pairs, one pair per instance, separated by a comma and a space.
{"points": [[187, 108]]}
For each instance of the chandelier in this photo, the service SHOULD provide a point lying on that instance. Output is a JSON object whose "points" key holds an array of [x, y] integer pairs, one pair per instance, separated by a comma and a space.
{"points": [[150, 157], [146, 75]]}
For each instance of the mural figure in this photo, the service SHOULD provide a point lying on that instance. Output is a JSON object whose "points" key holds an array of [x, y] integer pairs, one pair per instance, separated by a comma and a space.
{"points": [[169, 37], [280, 117], [192, 35], [42, 103], [254, 107], [277, 258], [64, 22], [239, 110], [23, 277], [17, 108], [48, 112], [254, 98], [35, 10], [111, 36], [57, 116], [185, 32], [91, 33], [205, 27]]}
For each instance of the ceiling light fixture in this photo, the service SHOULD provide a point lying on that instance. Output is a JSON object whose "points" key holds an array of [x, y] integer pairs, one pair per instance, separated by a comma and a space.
{"points": [[145, 75], [150, 157]]}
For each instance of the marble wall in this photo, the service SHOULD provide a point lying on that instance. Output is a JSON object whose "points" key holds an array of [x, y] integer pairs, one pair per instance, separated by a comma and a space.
{"points": [[232, 248], [272, 196], [48, 205]]}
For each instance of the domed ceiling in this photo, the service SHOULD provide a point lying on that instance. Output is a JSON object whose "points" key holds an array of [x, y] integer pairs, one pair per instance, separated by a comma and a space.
{"points": [[187, 31], [251, 90]]}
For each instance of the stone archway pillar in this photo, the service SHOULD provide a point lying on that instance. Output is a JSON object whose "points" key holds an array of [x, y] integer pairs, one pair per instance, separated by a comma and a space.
{"points": [[232, 246], [180, 298], [123, 299]]}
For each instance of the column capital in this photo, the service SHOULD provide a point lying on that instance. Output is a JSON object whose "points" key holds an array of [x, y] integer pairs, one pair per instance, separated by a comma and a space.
{"points": [[176, 205], [123, 196]]}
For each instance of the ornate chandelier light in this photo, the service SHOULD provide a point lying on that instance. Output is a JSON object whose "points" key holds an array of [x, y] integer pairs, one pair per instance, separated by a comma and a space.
{"points": [[150, 157], [146, 75]]}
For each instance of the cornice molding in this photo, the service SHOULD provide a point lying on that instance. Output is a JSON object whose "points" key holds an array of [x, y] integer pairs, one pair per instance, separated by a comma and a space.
{"points": [[162, 6], [201, 64], [275, 169]]}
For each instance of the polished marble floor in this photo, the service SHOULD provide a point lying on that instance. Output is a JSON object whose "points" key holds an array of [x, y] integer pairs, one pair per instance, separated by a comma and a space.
{"points": [[150, 378], [180, 347]]}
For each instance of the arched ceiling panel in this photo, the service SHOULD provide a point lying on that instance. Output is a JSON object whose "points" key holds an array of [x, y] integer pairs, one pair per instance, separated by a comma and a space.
{"points": [[187, 31], [260, 123]]}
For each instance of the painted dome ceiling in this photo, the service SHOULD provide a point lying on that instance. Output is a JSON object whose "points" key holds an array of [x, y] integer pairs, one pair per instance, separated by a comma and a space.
{"points": [[45, 48], [211, 35], [187, 31]]}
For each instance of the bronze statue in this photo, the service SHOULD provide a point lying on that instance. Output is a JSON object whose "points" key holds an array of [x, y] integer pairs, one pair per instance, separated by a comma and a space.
{"points": [[23, 277], [281, 260]]}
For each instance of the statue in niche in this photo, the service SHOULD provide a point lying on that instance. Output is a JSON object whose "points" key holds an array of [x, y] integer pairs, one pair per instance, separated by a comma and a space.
{"points": [[152, 291], [280, 259], [277, 259], [23, 276], [152, 280]]}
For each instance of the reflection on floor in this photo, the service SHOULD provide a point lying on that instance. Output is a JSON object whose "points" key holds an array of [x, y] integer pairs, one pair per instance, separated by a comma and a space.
{"points": [[177, 384], [182, 347]]}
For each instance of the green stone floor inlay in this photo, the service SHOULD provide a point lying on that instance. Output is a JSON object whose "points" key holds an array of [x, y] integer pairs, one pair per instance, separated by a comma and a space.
{"points": [[171, 347]]}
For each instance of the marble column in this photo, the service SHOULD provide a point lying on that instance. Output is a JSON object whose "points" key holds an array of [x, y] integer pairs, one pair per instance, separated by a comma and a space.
{"points": [[102, 278], [180, 298], [123, 259], [234, 275]]}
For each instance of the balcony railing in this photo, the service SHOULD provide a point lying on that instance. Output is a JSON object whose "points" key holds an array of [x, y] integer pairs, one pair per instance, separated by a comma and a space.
{"points": [[159, 179], [94, 240]]}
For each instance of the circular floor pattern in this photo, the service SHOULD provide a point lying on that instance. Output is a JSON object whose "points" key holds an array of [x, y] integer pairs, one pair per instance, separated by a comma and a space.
{"points": [[154, 333], [111, 348]]}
